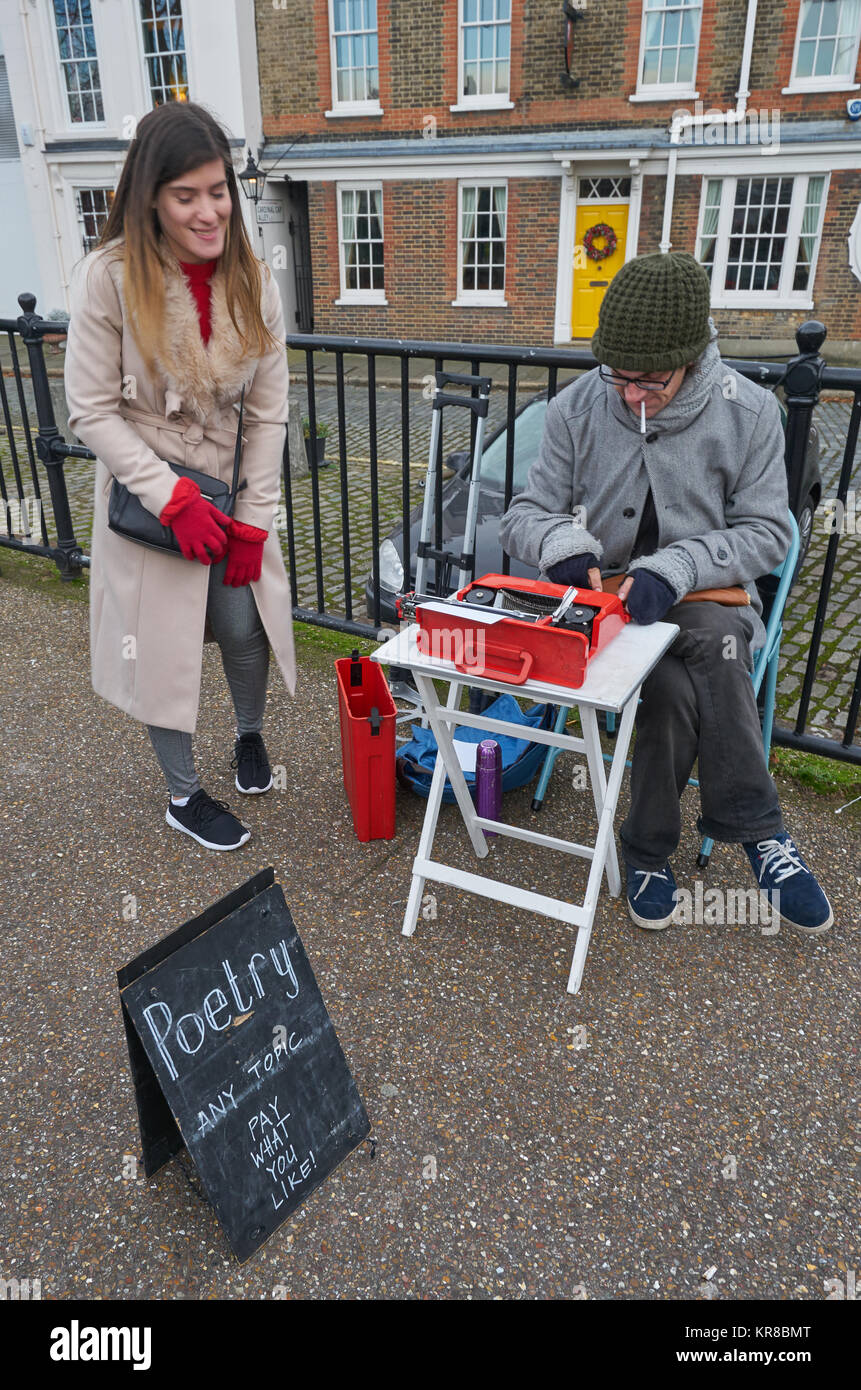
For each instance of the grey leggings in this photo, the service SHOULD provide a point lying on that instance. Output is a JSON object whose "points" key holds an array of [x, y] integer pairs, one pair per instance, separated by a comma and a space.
{"points": [[240, 634]]}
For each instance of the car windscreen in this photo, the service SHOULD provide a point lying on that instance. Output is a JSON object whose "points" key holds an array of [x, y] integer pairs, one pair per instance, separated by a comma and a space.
{"points": [[528, 429]]}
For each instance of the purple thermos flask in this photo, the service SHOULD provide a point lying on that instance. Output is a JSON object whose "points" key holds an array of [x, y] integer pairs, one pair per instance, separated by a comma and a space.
{"points": [[488, 781]]}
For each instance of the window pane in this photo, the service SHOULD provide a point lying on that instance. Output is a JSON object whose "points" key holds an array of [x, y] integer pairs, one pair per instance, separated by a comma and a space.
{"points": [[828, 17], [810, 18], [804, 67], [843, 57], [671, 28], [668, 65], [824, 59]]}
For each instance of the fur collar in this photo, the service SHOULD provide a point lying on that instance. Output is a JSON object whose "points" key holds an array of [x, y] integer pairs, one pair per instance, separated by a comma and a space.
{"points": [[207, 377]]}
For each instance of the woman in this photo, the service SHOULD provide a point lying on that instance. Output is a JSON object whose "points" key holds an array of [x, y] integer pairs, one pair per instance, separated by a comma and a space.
{"points": [[171, 316]]}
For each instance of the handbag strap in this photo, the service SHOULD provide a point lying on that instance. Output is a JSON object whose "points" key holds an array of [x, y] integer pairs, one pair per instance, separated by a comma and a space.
{"points": [[237, 454]]}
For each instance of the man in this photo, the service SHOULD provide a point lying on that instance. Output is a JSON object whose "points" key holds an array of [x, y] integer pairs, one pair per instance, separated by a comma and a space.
{"points": [[665, 465]]}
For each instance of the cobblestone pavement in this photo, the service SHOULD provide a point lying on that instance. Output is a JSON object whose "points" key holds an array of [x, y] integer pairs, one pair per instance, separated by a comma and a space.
{"points": [[837, 666]]}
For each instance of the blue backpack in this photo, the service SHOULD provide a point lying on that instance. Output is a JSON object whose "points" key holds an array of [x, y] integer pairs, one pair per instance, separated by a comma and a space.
{"points": [[521, 758]]}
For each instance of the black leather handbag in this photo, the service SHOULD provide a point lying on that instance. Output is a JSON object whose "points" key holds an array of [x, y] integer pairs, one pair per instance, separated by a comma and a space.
{"points": [[128, 516]]}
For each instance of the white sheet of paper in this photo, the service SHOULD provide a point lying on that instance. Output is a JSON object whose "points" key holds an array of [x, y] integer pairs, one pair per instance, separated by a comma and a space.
{"points": [[466, 754], [476, 615]]}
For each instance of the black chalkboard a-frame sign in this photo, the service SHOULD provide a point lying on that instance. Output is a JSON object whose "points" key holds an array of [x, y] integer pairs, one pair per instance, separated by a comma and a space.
{"points": [[234, 1055]]}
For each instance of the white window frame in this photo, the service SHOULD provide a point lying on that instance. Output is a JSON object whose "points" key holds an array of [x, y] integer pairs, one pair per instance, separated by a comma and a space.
{"points": [[783, 297], [667, 91], [820, 84], [91, 187], [359, 296], [495, 101], [68, 123], [478, 298], [372, 106], [148, 96]]}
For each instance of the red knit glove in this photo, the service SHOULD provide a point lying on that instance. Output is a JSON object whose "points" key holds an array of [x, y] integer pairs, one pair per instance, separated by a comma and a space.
{"points": [[244, 554], [198, 526]]}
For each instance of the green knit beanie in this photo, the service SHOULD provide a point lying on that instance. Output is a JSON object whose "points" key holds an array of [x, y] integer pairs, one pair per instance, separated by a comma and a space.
{"points": [[655, 314]]}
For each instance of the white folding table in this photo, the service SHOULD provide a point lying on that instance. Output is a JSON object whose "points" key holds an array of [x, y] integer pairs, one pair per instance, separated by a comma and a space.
{"points": [[612, 683]]}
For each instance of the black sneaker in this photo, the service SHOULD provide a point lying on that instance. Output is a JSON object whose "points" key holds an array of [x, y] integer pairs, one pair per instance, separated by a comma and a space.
{"points": [[253, 773], [208, 821]]}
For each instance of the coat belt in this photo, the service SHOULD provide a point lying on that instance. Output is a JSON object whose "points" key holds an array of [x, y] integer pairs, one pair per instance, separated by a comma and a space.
{"points": [[192, 431]]}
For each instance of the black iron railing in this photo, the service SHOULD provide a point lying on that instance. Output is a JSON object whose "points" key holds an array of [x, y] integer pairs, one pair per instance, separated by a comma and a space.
{"points": [[309, 554]]}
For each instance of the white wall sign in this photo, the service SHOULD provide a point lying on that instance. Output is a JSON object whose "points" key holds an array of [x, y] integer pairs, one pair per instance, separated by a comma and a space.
{"points": [[270, 212]]}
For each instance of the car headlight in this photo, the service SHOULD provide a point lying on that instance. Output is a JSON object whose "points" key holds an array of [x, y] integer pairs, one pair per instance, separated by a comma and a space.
{"points": [[391, 568]]}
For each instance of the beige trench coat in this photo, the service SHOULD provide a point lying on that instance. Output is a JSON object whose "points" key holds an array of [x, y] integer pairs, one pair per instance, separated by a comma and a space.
{"points": [[148, 608]]}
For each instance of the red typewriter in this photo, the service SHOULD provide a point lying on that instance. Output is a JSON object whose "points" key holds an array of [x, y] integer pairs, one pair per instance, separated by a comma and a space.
{"points": [[512, 629]]}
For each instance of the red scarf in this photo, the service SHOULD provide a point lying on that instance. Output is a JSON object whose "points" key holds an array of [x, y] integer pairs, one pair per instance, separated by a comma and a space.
{"points": [[198, 277]]}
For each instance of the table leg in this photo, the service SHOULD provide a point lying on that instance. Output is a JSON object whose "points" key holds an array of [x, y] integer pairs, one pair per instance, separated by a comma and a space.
{"points": [[595, 761], [445, 743], [604, 839], [426, 839]]}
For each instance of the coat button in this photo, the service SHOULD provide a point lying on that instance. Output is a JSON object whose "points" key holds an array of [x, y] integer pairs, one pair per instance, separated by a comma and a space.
{"points": [[613, 564], [650, 438], [629, 511], [723, 554]]}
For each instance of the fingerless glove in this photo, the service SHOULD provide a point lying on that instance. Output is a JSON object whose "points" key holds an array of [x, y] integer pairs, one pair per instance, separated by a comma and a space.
{"points": [[573, 570], [649, 598]]}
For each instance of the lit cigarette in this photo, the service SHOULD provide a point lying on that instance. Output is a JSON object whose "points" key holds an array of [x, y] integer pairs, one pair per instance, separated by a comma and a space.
{"points": [[642, 417]]}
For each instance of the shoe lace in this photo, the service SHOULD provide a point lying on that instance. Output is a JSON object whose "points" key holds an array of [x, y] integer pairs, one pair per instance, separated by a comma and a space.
{"points": [[779, 858], [648, 874], [249, 751], [207, 808]]}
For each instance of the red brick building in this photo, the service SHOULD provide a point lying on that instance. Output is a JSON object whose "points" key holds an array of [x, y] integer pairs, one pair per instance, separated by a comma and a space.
{"points": [[450, 163]]}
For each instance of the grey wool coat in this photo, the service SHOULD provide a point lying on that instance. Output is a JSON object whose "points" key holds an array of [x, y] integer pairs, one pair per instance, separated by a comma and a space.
{"points": [[713, 458], [148, 607]]}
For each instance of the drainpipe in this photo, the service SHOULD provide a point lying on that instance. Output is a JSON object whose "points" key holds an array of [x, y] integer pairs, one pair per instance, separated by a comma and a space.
{"points": [[682, 120], [670, 191]]}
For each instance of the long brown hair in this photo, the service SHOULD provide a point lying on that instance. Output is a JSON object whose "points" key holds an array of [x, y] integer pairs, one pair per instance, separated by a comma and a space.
{"points": [[170, 141]]}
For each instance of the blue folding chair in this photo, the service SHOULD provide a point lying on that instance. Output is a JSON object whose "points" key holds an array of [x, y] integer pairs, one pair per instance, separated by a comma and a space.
{"points": [[765, 666]]}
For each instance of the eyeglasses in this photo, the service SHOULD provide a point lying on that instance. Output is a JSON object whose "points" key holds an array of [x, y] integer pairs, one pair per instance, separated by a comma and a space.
{"points": [[643, 383]]}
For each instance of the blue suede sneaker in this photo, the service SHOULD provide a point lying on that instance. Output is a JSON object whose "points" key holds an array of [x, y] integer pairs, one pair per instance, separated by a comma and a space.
{"points": [[651, 896], [792, 890]]}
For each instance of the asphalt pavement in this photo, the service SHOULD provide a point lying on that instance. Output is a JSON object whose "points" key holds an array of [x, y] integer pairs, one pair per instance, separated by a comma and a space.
{"points": [[680, 1129]]}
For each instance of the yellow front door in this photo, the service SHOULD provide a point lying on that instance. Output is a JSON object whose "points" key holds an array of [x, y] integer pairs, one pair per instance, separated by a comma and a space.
{"points": [[591, 278]]}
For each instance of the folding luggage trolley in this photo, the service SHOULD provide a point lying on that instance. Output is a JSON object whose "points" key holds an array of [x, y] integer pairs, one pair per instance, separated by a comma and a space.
{"points": [[444, 560]]}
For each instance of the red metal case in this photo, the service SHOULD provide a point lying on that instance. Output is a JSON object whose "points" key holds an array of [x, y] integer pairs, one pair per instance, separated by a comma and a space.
{"points": [[515, 646]]}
